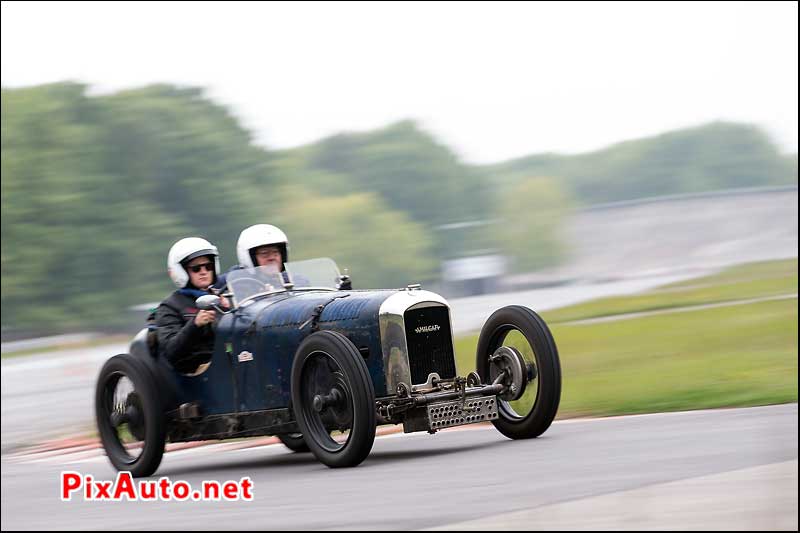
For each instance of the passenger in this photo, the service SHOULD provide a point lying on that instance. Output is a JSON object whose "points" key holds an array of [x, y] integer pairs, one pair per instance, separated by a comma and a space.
{"points": [[186, 334]]}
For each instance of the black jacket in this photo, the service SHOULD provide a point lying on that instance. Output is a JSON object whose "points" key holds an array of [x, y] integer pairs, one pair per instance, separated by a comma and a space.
{"points": [[180, 341]]}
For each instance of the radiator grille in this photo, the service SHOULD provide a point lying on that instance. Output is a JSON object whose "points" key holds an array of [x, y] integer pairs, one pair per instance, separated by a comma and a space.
{"points": [[430, 343]]}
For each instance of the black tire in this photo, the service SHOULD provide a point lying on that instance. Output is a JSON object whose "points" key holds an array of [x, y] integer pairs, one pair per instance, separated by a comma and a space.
{"points": [[295, 442], [139, 418], [545, 395], [328, 364]]}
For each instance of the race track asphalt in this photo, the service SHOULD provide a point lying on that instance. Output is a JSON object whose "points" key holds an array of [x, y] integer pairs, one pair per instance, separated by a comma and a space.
{"points": [[728, 468]]}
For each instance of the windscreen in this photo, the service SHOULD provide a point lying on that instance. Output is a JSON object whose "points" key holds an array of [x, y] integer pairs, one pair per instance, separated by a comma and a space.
{"points": [[320, 272], [311, 273], [247, 282]]}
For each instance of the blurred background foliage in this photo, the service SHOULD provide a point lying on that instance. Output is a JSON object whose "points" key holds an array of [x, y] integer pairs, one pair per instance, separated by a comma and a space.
{"points": [[533, 212], [711, 157], [95, 189]]}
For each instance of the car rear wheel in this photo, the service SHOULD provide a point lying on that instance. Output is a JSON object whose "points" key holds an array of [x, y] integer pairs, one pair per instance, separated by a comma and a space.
{"points": [[515, 337], [294, 441], [332, 392], [129, 415]]}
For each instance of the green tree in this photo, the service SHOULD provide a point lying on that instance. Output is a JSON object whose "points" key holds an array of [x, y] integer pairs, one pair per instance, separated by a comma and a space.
{"points": [[379, 246], [706, 158], [190, 158], [532, 217], [96, 189], [75, 248], [412, 172]]}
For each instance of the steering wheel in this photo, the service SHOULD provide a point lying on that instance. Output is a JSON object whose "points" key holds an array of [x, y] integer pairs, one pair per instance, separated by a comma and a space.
{"points": [[248, 286]]}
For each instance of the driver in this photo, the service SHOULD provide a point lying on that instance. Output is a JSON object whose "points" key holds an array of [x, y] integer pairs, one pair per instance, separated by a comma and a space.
{"points": [[263, 245], [185, 334], [260, 245]]}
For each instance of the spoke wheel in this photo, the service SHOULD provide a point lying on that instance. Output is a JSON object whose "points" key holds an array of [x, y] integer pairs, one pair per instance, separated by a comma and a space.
{"points": [[129, 416], [521, 330]]}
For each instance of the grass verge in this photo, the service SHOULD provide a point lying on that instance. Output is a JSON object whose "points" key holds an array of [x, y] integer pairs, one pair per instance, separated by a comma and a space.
{"points": [[770, 278], [741, 355]]}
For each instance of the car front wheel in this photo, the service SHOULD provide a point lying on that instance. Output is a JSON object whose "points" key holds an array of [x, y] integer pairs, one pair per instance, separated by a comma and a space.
{"points": [[515, 340]]}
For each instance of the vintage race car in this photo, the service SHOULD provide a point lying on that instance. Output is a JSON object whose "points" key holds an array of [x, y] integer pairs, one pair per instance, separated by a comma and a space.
{"points": [[321, 368]]}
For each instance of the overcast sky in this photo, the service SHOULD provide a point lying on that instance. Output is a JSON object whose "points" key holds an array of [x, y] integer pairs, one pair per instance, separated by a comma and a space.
{"points": [[491, 80]]}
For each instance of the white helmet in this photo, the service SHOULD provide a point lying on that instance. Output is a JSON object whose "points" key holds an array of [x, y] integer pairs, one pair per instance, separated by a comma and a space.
{"points": [[260, 235], [186, 250]]}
